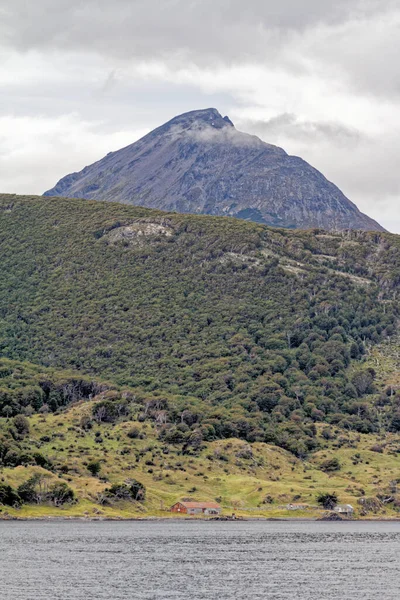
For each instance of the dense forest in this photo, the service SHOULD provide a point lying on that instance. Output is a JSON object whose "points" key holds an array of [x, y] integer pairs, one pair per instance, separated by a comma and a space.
{"points": [[210, 327]]}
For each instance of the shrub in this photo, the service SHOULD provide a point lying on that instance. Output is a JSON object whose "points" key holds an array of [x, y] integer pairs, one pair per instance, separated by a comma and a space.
{"points": [[327, 433], [94, 467], [331, 465], [133, 433], [377, 448], [268, 499], [86, 422], [245, 452], [132, 490], [370, 505]]}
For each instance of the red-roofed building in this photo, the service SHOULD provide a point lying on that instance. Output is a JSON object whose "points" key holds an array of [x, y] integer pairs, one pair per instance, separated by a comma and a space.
{"points": [[196, 508]]}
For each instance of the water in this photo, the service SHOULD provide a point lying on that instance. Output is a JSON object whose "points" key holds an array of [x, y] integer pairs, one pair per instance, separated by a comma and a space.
{"points": [[199, 560]]}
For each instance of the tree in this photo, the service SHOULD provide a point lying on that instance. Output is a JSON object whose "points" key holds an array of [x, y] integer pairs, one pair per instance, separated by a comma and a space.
{"points": [[35, 489], [7, 411], [27, 491], [38, 489], [21, 425], [9, 496], [60, 494], [363, 380], [328, 500], [138, 490], [109, 411], [194, 441], [395, 422]]}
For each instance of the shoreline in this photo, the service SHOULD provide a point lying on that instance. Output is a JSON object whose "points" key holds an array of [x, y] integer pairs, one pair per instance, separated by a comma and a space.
{"points": [[198, 520]]}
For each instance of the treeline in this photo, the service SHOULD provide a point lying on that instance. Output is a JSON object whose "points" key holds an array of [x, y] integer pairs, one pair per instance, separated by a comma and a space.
{"points": [[41, 489], [26, 388], [37, 490], [288, 423]]}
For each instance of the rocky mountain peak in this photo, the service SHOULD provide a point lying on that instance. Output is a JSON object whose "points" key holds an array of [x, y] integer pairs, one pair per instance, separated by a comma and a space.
{"points": [[198, 162], [208, 117]]}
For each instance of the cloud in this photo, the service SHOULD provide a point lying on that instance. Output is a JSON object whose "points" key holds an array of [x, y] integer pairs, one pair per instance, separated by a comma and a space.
{"points": [[31, 149], [290, 126], [81, 78], [224, 135], [195, 29]]}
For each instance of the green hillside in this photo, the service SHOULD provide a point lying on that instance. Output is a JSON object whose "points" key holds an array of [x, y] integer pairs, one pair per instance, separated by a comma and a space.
{"points": [[68, 462], [200, 329]]}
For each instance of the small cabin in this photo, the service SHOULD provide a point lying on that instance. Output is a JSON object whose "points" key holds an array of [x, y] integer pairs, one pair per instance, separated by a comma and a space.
{"points": [[196, 508], [344, 509]]}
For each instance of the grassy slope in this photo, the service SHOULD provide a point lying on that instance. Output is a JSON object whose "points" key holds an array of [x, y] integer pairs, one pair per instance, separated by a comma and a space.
{"points": [[271, 471], [217, 472]]}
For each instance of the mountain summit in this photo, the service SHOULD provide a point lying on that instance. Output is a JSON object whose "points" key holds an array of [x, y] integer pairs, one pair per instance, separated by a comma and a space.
{"points": [[200, 163]]}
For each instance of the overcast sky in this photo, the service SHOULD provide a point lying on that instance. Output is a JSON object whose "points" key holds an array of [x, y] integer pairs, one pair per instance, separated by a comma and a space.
{"points": [[321, 79]]}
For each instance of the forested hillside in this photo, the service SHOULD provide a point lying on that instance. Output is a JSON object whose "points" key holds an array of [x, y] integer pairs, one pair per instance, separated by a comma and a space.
{"points": [[235, 329]]}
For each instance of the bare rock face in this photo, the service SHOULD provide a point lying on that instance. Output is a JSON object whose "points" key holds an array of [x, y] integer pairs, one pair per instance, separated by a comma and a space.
{"points": [[199, 163], [137, 233]]}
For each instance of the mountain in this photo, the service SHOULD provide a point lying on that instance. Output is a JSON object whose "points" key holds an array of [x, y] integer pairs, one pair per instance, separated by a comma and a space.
{"points": [[200, 356], [200, 163]]}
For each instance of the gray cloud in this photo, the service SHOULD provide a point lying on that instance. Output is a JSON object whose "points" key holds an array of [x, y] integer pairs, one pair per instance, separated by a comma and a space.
{"points": [[228, 29], [289, 125], [357, 38], [80, 77], [226, 135]]}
